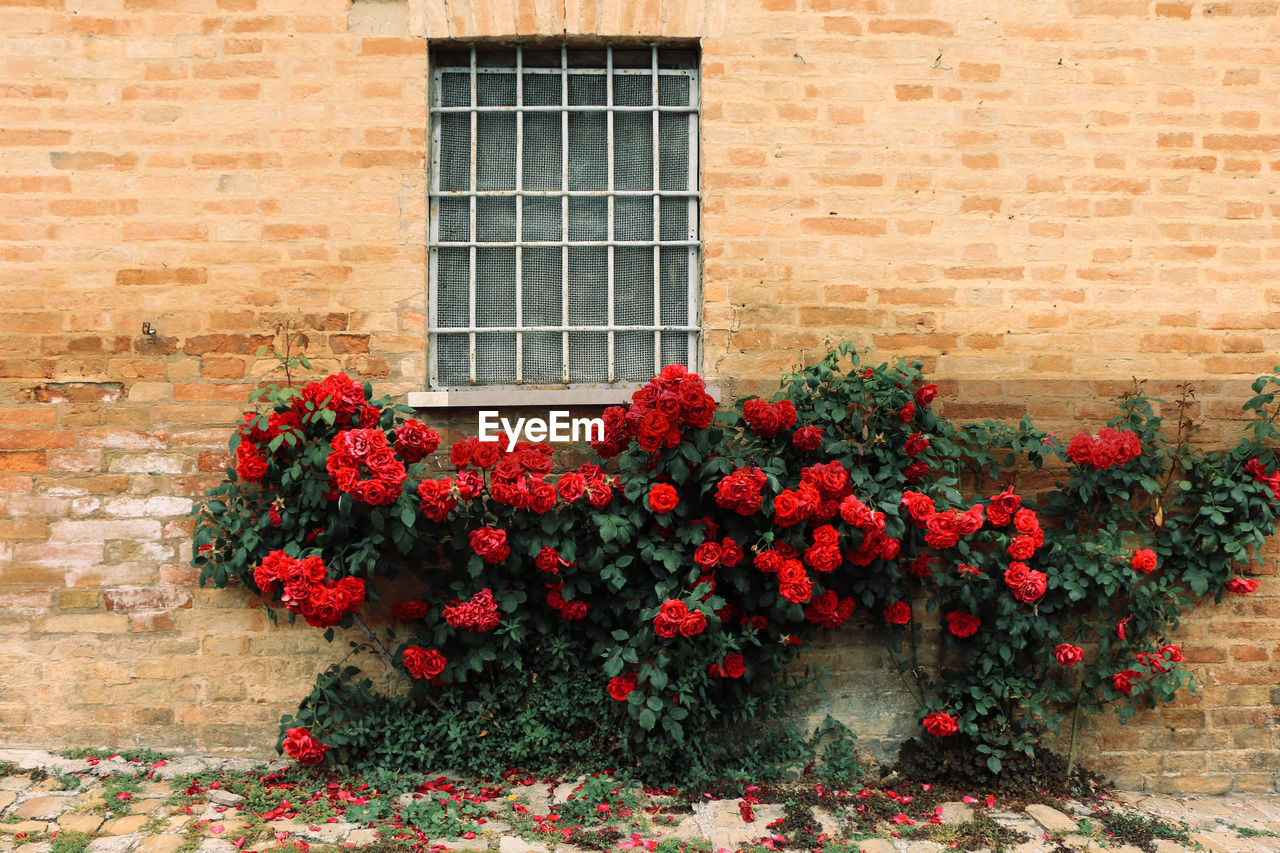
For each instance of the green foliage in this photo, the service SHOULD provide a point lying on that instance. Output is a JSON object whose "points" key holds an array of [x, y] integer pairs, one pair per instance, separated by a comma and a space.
{"points": [[834, 748], [606, 687], [70, 842]]}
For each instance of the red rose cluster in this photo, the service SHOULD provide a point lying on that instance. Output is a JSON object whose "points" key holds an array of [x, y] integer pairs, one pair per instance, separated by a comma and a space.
{"points": [[875, 544], [362, 465], [675, 617], [426, 664], [305, 589], [768, 419], [1026, 584], [478, 613], [672, 401], [740, 491], [794, 583], [438, 497], [1109, 449], [1159, 661], [253, 452], [829, 610], [414, 441], [341, 395], [302, 747]]}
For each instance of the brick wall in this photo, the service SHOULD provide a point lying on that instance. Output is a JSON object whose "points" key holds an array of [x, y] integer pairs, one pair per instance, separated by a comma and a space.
{"points": [[1039, 200]]}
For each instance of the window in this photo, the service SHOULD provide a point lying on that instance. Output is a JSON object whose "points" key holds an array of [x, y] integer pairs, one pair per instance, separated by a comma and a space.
{"points": [[564, 216]]}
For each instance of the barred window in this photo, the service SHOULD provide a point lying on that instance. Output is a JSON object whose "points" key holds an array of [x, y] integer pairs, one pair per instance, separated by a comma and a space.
{"points": [[563, 216]]}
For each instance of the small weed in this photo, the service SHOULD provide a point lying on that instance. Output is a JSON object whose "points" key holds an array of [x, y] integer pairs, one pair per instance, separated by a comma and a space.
{"points": [[70, 842], [118, 790], [13, 818], [974, 834], [9, 769], [66, 781], [1084, 826], [599, 800], [835, 753], [1250, 832], [436, 816], [676, 845], [1140, 830]]}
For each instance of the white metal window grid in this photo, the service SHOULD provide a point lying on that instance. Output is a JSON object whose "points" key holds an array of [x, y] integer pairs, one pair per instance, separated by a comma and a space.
{"points": [[520, 109]]}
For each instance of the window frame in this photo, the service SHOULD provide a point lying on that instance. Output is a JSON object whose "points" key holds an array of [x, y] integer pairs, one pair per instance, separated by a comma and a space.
{"points": [[567, 391]]}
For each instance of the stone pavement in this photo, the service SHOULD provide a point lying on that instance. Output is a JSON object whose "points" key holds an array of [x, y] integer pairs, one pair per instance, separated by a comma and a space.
{"points": [[52, 804]]}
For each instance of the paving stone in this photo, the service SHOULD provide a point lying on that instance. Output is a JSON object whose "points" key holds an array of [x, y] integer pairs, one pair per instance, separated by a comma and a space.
{"points": [[125, 825], [15, 783], [179, 767], [42, 807], [956, 812], [81, 822], [514, 844], [831, 824], [160, 844], [224, 798], [564, 789], [7, 798], [216, 845], [1219, 842], [1163, 845], [361, 837], [27, 826], [875, 845], [114, 843], [1050, 818], [226, 828]]}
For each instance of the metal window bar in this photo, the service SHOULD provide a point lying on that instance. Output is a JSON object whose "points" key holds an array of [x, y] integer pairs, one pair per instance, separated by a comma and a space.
{"points": [[473, 109]]}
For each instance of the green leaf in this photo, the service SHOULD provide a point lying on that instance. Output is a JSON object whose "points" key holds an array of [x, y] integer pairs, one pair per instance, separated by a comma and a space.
{"points": [[647, 719]]}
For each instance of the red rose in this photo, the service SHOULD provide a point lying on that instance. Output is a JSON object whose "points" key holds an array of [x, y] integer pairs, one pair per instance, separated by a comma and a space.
{"points": [[940, 724], [652, 433], [485, 454], [916, 471], [962, 624], [549, 560], [1027, 585], [437, 498], [250, 467], [423, 664], [796, 591], [574, 611], [740, 490], [302, 747], [478, 613], [807, 438], [916, 444], [415, 440], [1124, 681], [921, 567], [1144, 560], [490, 543], [898, 613], [1021, 548], [469, 485], [1173, 653], [598, 494], [671, 615], [789, 508], [1002, 507], [663, 498], [620, 686], [944, 529], [1242, 586], [409, 611], [707, 555], [571, 486], [824, 558], [907, 412], [542, 497], [693, 623], [732, 666], [730, 554], [1068, 655], [926, 394]]}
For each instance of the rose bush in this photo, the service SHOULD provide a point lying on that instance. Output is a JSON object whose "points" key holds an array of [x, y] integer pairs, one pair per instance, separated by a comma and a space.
{"points": [[641, 603]]}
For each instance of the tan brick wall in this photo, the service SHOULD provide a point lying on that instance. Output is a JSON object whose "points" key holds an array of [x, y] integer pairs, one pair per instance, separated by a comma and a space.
{"points": [[1038, 199]]}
